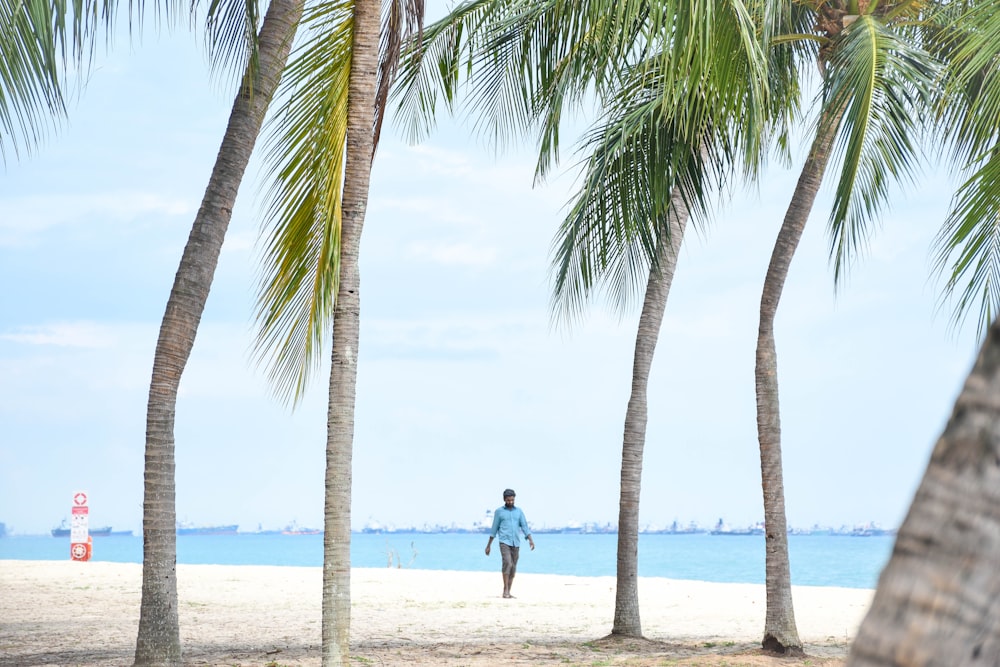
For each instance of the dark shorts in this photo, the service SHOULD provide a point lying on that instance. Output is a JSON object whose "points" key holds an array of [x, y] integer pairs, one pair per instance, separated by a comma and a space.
{"points": [[508, 558]]}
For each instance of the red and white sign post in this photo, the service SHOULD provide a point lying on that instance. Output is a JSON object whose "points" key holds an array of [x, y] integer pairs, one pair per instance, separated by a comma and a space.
{"points": [[79, 530]]}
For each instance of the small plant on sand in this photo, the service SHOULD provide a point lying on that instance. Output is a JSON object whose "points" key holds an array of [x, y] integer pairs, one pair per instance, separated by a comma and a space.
{"points": [[391, 555], [413, 557]]}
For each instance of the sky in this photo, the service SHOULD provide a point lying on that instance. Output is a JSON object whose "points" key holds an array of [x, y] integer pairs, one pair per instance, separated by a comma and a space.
{"points": [[464, 385]]}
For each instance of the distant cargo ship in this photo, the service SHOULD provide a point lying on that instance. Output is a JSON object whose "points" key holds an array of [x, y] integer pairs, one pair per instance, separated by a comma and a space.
{"points": [[295, 529], [104, 531], [302, 531], [207, 530]]}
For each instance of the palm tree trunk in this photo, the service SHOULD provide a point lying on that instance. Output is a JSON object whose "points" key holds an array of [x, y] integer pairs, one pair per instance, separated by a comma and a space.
{"points": [[336, 612], [158, 640], [938, 598], [780, 632], [654, 304]]}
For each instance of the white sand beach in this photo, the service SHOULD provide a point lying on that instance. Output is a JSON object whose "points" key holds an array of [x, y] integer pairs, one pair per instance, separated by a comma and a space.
{"points": [[87, 614]]}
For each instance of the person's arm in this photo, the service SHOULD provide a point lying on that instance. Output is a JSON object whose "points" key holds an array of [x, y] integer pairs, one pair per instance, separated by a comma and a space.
{"points": [[493, 531], [527, 533]]}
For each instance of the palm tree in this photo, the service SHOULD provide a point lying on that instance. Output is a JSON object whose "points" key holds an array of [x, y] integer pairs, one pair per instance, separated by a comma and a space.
{"points": [[935, 601], [877, 80], [936, 598], [33, 36], [158, 639], [321, 162], [658, 149], [663, 153]]}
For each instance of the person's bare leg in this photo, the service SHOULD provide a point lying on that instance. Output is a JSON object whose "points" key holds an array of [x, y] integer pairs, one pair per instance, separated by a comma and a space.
{"points": [[506, 585], [510, 582]]}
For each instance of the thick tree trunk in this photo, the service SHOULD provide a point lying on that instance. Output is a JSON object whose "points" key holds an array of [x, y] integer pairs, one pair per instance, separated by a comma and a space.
{"points": [[938, 598], [627, 620], [158, 640], [336, 612], [780, 632]]}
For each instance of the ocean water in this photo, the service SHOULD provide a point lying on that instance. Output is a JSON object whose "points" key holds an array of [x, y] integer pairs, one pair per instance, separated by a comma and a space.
{"points": [[816, 560]]}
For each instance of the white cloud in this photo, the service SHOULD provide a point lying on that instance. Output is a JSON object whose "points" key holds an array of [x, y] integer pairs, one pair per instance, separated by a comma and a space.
{"points": [[67, 334], [25, 219], [462, 254], [240, 241]]}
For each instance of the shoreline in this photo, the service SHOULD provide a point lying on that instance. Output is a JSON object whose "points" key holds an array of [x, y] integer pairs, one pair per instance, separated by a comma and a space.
{"points": [[417, 568], [817, 561], [61, 612]]}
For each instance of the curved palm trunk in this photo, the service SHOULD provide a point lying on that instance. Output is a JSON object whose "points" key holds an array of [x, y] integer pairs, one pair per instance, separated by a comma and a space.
{"points": [[655, 302], [336, 622], [780, 632], [938, 598], [158, 640]]}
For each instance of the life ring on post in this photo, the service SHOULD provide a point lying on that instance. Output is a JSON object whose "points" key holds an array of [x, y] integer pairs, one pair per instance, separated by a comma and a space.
{"points": [[81, 551]]}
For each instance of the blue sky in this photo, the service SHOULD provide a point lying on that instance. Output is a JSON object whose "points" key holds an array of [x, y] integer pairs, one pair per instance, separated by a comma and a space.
{"points": [[464, 388]]}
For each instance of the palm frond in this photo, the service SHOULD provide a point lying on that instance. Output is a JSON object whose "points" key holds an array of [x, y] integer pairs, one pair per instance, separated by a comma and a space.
{"points": [[668, 139], [430, 67], [305, 163], [608, 240], [520, 63], [30, 91], [402, 22], [971, 115], [882, 85], [40, 41], [231, 29], [968, 246]]}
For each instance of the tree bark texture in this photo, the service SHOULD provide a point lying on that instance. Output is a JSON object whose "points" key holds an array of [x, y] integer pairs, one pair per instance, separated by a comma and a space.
{"points": [[938, 598], [780, 632], [336, 609], [627, 621], [158, 641]]}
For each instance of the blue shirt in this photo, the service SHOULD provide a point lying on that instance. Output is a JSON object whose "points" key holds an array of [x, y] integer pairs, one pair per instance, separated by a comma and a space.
{"points": [[505, 525]]}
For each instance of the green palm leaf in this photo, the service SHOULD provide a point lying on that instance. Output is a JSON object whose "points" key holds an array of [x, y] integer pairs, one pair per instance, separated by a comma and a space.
{"points": [[970, 242], [305, 161], [39, 41], [527, 64], [967, 249], [669, 139], [881, 84]]}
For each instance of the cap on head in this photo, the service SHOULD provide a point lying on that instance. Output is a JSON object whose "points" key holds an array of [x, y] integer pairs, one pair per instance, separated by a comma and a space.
{"points": [[508, 493]]}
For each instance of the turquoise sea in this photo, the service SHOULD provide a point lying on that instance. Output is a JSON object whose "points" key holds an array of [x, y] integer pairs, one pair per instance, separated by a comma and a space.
{"points": [[817, 560]]}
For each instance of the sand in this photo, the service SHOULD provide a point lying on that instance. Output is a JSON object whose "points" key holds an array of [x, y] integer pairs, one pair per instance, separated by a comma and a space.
{"points": [[87, 614]]}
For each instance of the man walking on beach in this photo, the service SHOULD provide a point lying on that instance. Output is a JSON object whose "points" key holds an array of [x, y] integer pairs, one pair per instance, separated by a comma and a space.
{"points": [[508, 521]]}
